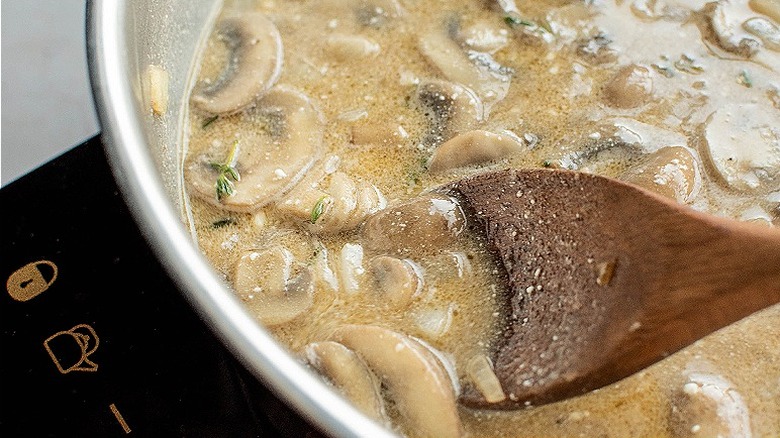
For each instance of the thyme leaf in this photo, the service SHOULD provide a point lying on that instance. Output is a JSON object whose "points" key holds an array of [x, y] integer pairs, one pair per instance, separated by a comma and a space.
{"points": [[227, 172], [209, 121], [223, 222], [319, 209], [517, 21]]}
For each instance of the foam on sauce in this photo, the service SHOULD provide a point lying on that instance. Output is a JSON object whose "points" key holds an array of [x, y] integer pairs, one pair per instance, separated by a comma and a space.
{"points": [[557, 107]]}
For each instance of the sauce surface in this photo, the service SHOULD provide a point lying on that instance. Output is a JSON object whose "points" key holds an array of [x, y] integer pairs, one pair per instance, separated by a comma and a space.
{"points": [[373, 104]]}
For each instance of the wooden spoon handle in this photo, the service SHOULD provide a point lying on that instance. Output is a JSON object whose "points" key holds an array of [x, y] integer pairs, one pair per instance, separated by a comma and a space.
{"points": [[721, 272]]}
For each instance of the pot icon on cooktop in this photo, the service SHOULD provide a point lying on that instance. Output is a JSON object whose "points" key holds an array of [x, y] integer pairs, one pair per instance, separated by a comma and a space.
{"points": [[70, 349]]}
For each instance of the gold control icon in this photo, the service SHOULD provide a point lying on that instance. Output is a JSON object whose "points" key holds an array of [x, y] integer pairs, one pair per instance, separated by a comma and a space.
{"points": [[70, 349], [31, 280]]}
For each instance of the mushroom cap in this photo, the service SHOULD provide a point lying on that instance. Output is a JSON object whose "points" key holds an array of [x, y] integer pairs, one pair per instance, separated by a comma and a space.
{"points": [[271, 161], [426, 223], [451, 108], [350, 374], [273, 285], [417, 381], [254, 64], [471, 148], [475, 70], [399, 280]]}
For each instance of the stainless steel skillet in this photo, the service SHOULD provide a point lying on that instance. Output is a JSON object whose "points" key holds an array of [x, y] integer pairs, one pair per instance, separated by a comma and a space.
{"points": [[124, 39]]}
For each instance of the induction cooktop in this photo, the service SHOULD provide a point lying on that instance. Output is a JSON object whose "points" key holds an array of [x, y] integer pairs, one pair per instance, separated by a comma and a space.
{"points": [[95, 339]]}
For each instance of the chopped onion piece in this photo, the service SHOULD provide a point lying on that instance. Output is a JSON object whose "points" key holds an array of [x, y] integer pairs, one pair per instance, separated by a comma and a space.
{"points": [[480, 371]]}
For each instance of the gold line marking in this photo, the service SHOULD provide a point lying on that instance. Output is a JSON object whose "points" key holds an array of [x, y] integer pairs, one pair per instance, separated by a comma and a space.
{"points": [[119, 418]]}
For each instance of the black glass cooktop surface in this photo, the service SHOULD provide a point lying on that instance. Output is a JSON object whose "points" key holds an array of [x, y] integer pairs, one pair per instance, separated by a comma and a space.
{"points": [[96, 341]]}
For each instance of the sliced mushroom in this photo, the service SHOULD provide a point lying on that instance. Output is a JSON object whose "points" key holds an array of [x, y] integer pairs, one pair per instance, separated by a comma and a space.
{"points": [[275, 288], [770, 8], [350, 374], [269, 163], [351, 201], [708, 405], [426, 223], [615, 141], [631, 87], [417, 382], [347, 47], [670, 171], [471, 148], [600, 149], [476, 70], [400, 280], [449, 107], [341, 206], [766, 30], [741, 167], [298, 203], [725, 30], [254, 64]]}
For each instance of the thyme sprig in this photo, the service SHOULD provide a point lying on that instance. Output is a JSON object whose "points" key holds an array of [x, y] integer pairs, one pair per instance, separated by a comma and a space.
{"points": [[227, 172]]}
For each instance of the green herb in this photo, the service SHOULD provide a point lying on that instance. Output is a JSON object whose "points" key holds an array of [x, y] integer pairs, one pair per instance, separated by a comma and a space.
{"points": [[227, 171], [319, 209], [223, 222], [514, 21], [744, 79], [209, 121], [546, 163], [517, 21]]}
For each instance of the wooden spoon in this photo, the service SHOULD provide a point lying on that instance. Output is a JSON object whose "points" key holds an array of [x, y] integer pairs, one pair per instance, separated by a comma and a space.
{"points": [[607, 278]]}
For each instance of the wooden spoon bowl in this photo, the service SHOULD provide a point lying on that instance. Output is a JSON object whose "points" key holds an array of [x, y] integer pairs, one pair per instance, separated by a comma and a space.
{"points": [[607, 278]]}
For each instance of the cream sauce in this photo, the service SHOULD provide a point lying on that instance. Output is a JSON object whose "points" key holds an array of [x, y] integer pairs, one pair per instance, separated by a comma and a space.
{"points": [[558, 63]]}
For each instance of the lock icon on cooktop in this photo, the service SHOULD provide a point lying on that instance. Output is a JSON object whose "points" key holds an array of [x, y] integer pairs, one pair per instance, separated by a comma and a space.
{"points": [[70, 349], [31, 280]]}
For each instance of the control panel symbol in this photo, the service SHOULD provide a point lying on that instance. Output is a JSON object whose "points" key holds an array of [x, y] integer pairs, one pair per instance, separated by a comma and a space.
{"points": [[120, 418], [31, 280], [70, 349]]}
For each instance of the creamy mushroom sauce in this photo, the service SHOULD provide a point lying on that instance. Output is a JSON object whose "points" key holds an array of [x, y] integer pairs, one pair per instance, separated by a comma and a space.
{"points": [[678, 96]]}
